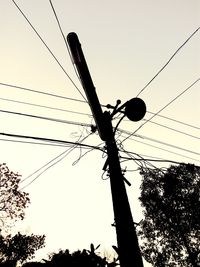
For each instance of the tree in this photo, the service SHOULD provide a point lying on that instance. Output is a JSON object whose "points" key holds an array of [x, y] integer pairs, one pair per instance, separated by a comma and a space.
{"points": [[20, 247], [170, 232], [12, 201], [78, 258]]}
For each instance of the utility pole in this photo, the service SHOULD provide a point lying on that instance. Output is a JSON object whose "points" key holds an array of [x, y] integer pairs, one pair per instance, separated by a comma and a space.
{"points": [[128, 248]]}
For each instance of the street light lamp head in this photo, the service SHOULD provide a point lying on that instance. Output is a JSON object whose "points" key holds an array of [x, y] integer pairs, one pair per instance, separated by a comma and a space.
{"points": [[135, 109]]}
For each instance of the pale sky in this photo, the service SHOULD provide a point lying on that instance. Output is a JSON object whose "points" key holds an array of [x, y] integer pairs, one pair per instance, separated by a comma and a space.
{"points": [[125, 44]]}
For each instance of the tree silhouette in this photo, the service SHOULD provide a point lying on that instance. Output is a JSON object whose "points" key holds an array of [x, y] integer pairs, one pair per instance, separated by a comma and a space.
{"points": [[78, 258], [12, 207], [20, 247], [12, 201], [171, 229]]}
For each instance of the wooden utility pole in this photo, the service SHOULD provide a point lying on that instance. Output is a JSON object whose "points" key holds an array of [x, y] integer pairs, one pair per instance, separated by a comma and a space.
{"points": [[129, 252]]}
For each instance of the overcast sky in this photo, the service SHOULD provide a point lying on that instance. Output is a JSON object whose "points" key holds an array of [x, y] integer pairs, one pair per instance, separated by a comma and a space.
{"points": [[125, 45]]}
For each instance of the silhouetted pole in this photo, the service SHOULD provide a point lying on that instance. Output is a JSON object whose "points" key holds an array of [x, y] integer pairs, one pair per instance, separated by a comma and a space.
{"points": [[129, 252]]}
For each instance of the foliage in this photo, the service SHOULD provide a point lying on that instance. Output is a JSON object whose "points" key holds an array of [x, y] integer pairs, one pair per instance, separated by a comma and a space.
{"points": [[79, 258], [12, 207], [170, 232], [20, 247], [12, 201]]}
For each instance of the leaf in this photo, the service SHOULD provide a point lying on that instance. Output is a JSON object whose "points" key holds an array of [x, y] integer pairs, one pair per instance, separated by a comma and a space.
{"points": [[171, 202]]}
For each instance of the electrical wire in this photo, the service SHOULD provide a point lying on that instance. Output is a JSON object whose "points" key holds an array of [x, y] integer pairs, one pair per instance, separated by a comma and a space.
{"points": [[32, 143], [169, 60], [49, 140], [63, 36], [153, 160], [167, 127], [139, 160], [152, 157], [177, 121], [66, 44], [169, 103], [46, 118], [115, 130], [63, 154], [46, 164], [166, 150], [122, 131], [58, 158], [58, 22], [43, 93], [66, 152], [43, 106], [162, 143], [167, 144], [47, 47], [173, 129], [121, 112], [82, 155], [132, 156]]}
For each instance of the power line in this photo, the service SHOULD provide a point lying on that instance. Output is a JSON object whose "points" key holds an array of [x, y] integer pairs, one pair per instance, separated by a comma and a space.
{"points": [[165, 65], [46, 118], [58, 22], [161, 116], [166, 150], [32, 143], [177, 121], [43, 93], [50, 140], [63, 36], [152, 157], [169, 103], [167, 144], [160, 142], [47, 47], [89, 115], [65, 152], [173, 129], [153, 160], [141, 159], [43, 106], [158, 115], [59, 157], [82, 124], [163, 149]]}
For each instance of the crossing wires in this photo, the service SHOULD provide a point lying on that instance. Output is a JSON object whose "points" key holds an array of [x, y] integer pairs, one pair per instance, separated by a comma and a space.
{"points": [[169, 60], [47, 47], [53, 161], [159, 111], [63, 36]]}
